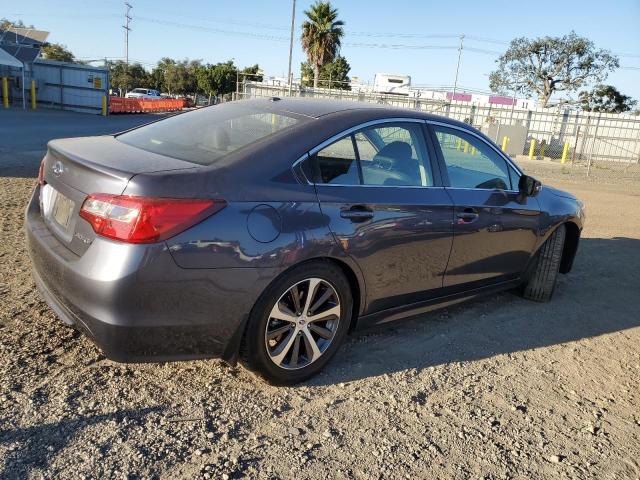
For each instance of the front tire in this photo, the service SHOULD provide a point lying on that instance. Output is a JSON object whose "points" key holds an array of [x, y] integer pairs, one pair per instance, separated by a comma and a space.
{"points": [[298, 323], [541, 276]]}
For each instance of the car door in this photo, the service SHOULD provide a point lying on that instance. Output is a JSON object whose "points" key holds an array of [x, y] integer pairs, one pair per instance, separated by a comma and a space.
{"points": [[387, 209], [494, 229]]}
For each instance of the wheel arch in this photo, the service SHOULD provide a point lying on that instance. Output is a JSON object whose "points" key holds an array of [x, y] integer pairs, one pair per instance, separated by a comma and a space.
{"points": [[355, 282], [571, 241]]}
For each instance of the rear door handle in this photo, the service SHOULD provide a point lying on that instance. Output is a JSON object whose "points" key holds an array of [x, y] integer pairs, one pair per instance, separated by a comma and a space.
{"points": [[357, 213], [468, 215]]}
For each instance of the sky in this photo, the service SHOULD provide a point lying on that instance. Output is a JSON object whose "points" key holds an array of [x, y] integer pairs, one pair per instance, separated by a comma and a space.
{"points": [[413, 37]]}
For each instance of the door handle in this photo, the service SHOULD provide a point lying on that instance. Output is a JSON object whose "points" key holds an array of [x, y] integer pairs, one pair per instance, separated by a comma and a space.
{"points": [[468, 215], [357, 213]]}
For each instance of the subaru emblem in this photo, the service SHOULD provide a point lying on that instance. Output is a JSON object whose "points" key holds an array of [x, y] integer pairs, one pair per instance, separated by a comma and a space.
{"points": [[58, 168]]}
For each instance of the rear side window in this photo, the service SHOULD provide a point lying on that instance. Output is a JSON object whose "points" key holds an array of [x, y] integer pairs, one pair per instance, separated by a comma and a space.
{"points": [[394, 154], [206, 135], [389, 154], [338, 163]]}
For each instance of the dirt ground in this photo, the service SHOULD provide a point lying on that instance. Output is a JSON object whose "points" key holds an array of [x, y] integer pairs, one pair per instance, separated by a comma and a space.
{"points": [[498, 388]]}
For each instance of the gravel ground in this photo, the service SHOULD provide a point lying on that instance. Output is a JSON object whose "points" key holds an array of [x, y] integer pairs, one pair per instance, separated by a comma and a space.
{"points": [[497, 388]]}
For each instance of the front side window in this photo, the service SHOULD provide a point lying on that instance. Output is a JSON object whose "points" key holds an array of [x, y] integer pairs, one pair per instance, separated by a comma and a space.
{"points": [[470, 162]]}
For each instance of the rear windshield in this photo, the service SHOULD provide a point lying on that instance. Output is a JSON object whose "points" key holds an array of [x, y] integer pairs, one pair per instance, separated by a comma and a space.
{"points": [[205, 135], [139, 90]]}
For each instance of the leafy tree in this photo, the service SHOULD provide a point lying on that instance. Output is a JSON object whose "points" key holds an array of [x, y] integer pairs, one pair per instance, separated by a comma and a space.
{"points": [[606, 99], [546, 65], [175, 76], [217, 79], [335, 73], [251, 74], [56, 51], [6, 23], [224, 77], [321, 35], [127, 77]]}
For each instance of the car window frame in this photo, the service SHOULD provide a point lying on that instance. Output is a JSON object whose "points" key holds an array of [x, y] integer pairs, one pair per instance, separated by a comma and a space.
{"points": [[443, 166], [310, 156], [356, 155]]}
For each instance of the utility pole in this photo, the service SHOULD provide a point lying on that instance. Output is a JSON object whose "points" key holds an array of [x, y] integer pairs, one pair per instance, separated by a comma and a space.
{"points": [[455, 83], [293, 21], [127, 19]]}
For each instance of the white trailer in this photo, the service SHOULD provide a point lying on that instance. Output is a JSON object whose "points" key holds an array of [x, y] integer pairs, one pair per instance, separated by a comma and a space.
{"points": [[389, 83]]}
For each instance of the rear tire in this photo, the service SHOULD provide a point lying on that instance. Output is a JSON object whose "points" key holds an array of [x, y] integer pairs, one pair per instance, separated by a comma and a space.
{"points": [[290, 356], [541, 275]]}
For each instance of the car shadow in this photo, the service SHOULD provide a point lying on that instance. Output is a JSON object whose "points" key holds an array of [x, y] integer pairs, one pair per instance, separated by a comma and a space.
{"points": [[39, 444], [600, 296]]}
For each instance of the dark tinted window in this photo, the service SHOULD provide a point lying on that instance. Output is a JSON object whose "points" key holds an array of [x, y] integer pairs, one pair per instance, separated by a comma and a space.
{"points": [[203, 136], [470, 162], [337, 163], [394, 154]]}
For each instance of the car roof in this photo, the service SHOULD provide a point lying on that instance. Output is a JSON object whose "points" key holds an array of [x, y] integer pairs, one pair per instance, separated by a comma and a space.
{"points": [[319, 108]]}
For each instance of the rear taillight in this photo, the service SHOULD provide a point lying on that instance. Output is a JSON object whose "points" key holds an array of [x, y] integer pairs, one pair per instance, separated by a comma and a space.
{"points": [[144, 219], [41, 173]]}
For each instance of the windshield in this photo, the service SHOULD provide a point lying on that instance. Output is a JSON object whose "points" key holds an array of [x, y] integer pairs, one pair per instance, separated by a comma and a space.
{"points": [[139, 90], [205, 135]]}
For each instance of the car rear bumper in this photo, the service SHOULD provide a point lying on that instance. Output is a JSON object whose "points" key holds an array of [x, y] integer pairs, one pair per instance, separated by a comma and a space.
{"points": [[136, 304]]}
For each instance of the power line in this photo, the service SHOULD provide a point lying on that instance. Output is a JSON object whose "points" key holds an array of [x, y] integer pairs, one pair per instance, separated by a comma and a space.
{"points": [[400, 46], [211, 29]]}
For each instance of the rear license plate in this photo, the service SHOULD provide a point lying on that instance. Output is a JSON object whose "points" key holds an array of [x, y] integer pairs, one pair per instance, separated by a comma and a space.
{"points": [[62, 209]]}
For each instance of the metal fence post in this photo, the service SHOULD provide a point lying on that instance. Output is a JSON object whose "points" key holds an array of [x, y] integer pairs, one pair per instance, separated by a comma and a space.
{"points": [[575, 145], [593, 145], [585, 138]]}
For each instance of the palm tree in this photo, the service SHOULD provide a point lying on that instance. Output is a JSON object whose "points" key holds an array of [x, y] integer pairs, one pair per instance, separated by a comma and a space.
{"points": [[321, 35]]}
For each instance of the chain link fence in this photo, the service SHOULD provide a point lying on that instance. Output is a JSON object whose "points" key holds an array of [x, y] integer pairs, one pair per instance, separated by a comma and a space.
{"points": [[550, 142]]}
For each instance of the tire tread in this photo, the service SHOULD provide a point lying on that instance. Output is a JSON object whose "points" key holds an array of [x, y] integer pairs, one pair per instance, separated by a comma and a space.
{"points": [[541, 278]]}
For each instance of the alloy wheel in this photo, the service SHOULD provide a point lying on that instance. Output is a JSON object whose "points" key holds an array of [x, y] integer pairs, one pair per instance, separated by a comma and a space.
{"points": [[302, 324]]}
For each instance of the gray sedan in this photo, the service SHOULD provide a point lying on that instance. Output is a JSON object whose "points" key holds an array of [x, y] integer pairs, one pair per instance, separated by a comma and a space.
{"points": [[266, 230]]}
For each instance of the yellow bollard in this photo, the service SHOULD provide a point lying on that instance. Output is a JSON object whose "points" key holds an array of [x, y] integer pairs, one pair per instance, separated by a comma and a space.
{"points": [[532, 149], [565, 152], [505, 140], [543, 144], [5, 92], [33, 94], [104, 105], [466, 147], [473, 150], [459, 144]]}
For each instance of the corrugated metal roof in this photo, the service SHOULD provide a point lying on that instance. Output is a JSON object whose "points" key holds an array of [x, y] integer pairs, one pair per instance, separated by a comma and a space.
{"points": [[23, 53], [28, 36]]}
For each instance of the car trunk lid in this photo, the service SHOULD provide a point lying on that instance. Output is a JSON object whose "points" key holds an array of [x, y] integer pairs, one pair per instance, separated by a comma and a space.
{"points": [[74, 168]]}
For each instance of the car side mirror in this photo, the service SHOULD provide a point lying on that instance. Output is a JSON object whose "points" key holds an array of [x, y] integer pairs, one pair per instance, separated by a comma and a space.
{"points": [[529, 186]]}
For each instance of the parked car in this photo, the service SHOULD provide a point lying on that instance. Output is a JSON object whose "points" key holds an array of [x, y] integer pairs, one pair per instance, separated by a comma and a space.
{"points": [[147, 93], [266, 230]]}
